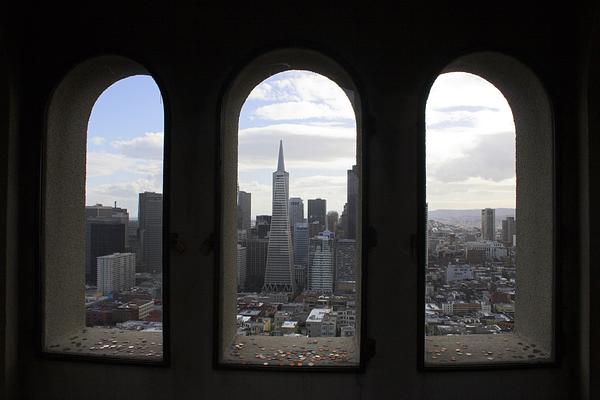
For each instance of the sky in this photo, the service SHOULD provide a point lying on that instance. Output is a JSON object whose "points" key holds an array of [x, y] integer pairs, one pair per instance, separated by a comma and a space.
{"points": [[315, 120], [125, 144], [470, 145], [470, 142]]}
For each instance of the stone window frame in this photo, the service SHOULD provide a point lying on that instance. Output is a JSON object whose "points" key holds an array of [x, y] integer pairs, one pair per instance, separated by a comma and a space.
{"points": [[61, 248], [243, 81], [535, 320]]}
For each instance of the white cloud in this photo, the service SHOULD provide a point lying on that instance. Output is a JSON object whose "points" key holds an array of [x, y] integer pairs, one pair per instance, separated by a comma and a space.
{"points": [[305, 147], [148, 146], [470, 144], [97, 140], [278, 130], [106, 164], [299, 110], [261, 92], [301, 95]]}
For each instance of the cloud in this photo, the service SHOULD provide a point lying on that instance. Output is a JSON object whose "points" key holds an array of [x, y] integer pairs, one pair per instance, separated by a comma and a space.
{"points": [[301, 110], [452, 123], [467, 108], [101, 164], [300, 95], [334, 131], [325, 148], [97, 140], [125, 190], [492, 158], [471, 193], [106, 164], [261, 92], [148, 146]]}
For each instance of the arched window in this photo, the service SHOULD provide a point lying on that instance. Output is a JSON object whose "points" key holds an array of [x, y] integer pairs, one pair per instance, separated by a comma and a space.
{"points": [[102, 213], [489, 233], [291, 245]]}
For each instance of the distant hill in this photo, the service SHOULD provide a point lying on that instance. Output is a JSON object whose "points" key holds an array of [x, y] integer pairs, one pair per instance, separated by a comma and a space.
{"points": [[468, 218]]}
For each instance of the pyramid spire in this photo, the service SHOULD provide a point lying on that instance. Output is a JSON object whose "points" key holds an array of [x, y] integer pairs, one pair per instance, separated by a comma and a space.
{"points": [[280, 164]]}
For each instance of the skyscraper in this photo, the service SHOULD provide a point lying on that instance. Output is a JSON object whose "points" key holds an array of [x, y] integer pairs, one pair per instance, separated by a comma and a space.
{"points": [[244, 202], [263, 226], [116, 272], [509, 229], [352, 201], [241, 266], [256, 262], [150, 231], [296, 211], [105, 233], [301, 244], [320, 267], [332, 221], [488, 224], [317, 208], [279, 272], [345, 260]]}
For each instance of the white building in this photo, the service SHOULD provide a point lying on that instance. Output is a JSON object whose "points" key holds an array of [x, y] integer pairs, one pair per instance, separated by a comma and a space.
{"points": [[320, 267], [315, 320], [491, 248], [116, 272], [459, 273], [329, 325]]}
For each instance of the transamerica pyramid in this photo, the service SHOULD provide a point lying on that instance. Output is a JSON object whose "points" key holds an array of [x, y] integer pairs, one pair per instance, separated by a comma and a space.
{"points": [[279, 270]]}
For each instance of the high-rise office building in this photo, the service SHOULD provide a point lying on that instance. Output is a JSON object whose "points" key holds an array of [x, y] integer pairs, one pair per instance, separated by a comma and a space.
{"points": [[352, 201], [116, 272], [488, 224], [244, 203], [241, 266], [263, 226], [301, 244], [332, 221], [317, 210], [279, 272], [320, 265], [345, 260], [296, 210], [256, 263], [509, 229], [105, 233], [150, 231], [133, 240]]}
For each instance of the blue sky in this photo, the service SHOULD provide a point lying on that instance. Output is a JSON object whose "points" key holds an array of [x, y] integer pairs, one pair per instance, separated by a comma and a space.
{"points": [[469, 142], [125, 143]]}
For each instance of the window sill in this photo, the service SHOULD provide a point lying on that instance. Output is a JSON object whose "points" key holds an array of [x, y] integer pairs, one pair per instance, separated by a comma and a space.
{"points": [[490, 350], [112, 343], [288, 351]]}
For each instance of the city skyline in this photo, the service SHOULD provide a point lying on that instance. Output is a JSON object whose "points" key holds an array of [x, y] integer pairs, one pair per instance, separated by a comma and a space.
{"points": [[314, 116]]}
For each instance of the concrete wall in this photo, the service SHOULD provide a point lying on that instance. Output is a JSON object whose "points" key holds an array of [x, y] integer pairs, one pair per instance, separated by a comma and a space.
{"points": [[393, 56]]}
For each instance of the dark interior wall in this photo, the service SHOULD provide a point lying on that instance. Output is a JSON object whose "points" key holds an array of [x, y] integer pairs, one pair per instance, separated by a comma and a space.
{"points": [[193, 51], [591, 133]]}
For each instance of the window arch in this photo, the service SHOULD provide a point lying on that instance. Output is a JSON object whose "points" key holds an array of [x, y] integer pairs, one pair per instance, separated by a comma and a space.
{"points": [[532, 340], [94, 243], [230, 349]]}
